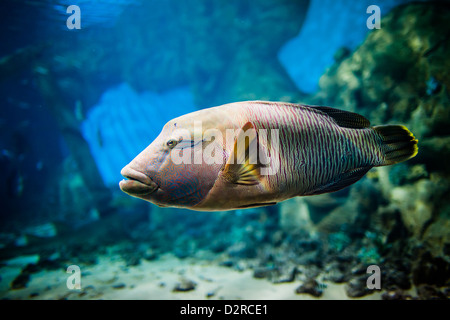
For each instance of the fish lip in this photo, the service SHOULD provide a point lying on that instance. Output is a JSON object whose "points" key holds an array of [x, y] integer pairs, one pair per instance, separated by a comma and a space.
{"points": [[137, 183]]}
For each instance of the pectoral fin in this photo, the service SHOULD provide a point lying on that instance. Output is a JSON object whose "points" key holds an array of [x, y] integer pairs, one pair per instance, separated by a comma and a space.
{"points": [[243, 166]]}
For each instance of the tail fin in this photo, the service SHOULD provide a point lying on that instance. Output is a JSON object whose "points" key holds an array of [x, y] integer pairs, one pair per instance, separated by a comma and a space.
{"points": [[399, 143]]}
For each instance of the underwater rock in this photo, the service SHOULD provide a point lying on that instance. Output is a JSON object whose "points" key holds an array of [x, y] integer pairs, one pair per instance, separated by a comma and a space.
{"points": [[396, 279], [203, 44], [389, 66], [213, 292], [320, 205], [429, 292], [431, 270], [294, 216], [98, 195], [311, 243], [276, 271], [112, 141], [46, 230], [387, 75], [332, 267], [395, 295], [218, 245], [227, 263], [184, 285], [419, 204], [74, 205], [396, 274], [357, 287], [119, 286], [22, 261], [337, 275], [228, 36], [286, 274], [352, 216], [20, 241], [437, 236], [432, 146], [345, 214], [19, 60], [309, 258], [242, 250], [310, 286], [21, 281], [399, 75], [262, 272], [185, 249], [50, 264], [132, 260], [310, 271], [359, 269], [105, 278], [317, 46], [150, 255], [417, 211]]}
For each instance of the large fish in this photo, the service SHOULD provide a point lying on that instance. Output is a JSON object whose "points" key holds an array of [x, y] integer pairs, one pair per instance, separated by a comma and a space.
{"points": [[257, 153]]}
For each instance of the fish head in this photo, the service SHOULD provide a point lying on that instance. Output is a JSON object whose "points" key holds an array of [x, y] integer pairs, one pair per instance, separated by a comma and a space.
{"points": [[172, 171]]}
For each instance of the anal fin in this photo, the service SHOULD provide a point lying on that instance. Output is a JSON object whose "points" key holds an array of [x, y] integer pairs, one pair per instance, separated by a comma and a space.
{"points": [[343, 180]]}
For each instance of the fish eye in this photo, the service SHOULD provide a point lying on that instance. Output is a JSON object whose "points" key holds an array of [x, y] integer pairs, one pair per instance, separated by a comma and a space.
{"points": [[172, 143]]}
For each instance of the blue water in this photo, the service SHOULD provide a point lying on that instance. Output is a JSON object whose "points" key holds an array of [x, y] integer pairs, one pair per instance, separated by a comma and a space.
{"points": [[77, 105], [329, 26], [113, 144]]}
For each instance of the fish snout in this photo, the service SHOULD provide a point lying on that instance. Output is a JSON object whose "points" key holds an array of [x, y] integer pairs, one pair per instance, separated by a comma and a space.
{"points": [[137, 183]]}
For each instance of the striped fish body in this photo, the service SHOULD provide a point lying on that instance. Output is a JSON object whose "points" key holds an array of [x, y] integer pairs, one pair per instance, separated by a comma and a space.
{"points": [[302, 150], [320, 150], [316, 152]]}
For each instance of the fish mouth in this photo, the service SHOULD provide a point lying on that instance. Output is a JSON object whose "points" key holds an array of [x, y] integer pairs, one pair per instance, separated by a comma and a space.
{"points": [[137, 183]]}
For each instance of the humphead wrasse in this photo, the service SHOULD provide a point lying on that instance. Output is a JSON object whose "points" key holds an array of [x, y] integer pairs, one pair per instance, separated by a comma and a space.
{"points": [[257, 153]]}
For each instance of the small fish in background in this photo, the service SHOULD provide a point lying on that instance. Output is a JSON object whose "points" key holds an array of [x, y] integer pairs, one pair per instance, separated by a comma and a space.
{"points": [[7, 153], [24, 124], [79, 113], [39, 165], [12, 161], [16, 103], [433, 86], [316, 150], [15, 182], [41, 70], [99, 137]]}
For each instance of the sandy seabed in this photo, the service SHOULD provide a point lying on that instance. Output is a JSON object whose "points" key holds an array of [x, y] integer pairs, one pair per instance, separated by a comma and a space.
{"points": [[111, 279]]}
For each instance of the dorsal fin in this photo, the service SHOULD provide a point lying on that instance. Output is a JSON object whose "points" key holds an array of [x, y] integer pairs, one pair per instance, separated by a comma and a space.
{"points": [[345, 119]]}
